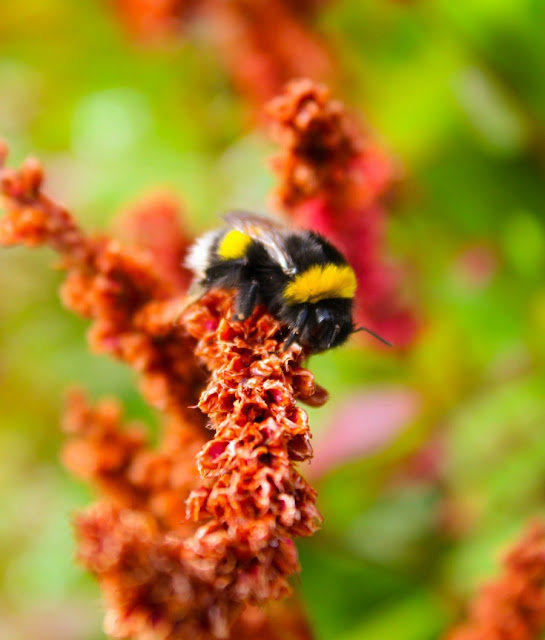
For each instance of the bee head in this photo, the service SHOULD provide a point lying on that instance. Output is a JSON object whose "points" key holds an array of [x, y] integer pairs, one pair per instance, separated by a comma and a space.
{"points": [[325, 325], [332, 328], [329, 326]]}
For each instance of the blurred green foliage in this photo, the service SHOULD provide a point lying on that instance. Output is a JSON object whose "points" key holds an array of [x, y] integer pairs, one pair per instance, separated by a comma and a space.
{"points": [[455, 91]]}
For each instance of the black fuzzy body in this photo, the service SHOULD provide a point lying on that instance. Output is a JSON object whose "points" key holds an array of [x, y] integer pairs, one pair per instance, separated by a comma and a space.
{"points": [[259, 278]]}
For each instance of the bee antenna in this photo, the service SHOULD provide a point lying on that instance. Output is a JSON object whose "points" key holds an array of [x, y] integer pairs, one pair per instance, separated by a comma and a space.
{"points": [[375, 335]]}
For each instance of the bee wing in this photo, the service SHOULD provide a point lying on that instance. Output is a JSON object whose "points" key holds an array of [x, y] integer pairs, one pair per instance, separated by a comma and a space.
{"points": [[267, 231]]}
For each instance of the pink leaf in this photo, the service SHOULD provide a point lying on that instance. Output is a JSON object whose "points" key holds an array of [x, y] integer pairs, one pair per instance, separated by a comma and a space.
{"points": [[364, 423]]}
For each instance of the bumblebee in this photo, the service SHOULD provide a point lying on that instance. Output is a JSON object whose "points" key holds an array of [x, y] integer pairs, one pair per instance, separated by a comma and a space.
{"points": [[302, 279]]}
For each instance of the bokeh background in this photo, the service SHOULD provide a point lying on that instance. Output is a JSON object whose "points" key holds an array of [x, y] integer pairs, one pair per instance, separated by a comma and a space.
{"points": [[429, 459]]}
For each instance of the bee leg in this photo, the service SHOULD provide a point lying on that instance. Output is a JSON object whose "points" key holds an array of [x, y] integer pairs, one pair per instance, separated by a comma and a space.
{"points": [[290, 340], [335, 330], [246, 300], [298, 328]]}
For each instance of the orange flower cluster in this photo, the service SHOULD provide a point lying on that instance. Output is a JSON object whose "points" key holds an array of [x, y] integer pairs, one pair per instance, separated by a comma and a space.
{"points": [[153, 225], [251, 491], [334, 181], [164, 574], [277, 621], [156, 577], [318, 144], [132, 308], [117, 460], [512, 607]]}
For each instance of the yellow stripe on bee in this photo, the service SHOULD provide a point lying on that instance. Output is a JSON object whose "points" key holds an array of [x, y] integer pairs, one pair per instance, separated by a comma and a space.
{"points": [[321, 282], [233, 245]]}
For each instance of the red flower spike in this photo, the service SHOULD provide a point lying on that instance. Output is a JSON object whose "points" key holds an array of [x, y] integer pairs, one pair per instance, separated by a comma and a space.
{"points": [[163, 575], [513, 606], [334, 181], [153, 225], [121, 291]]}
